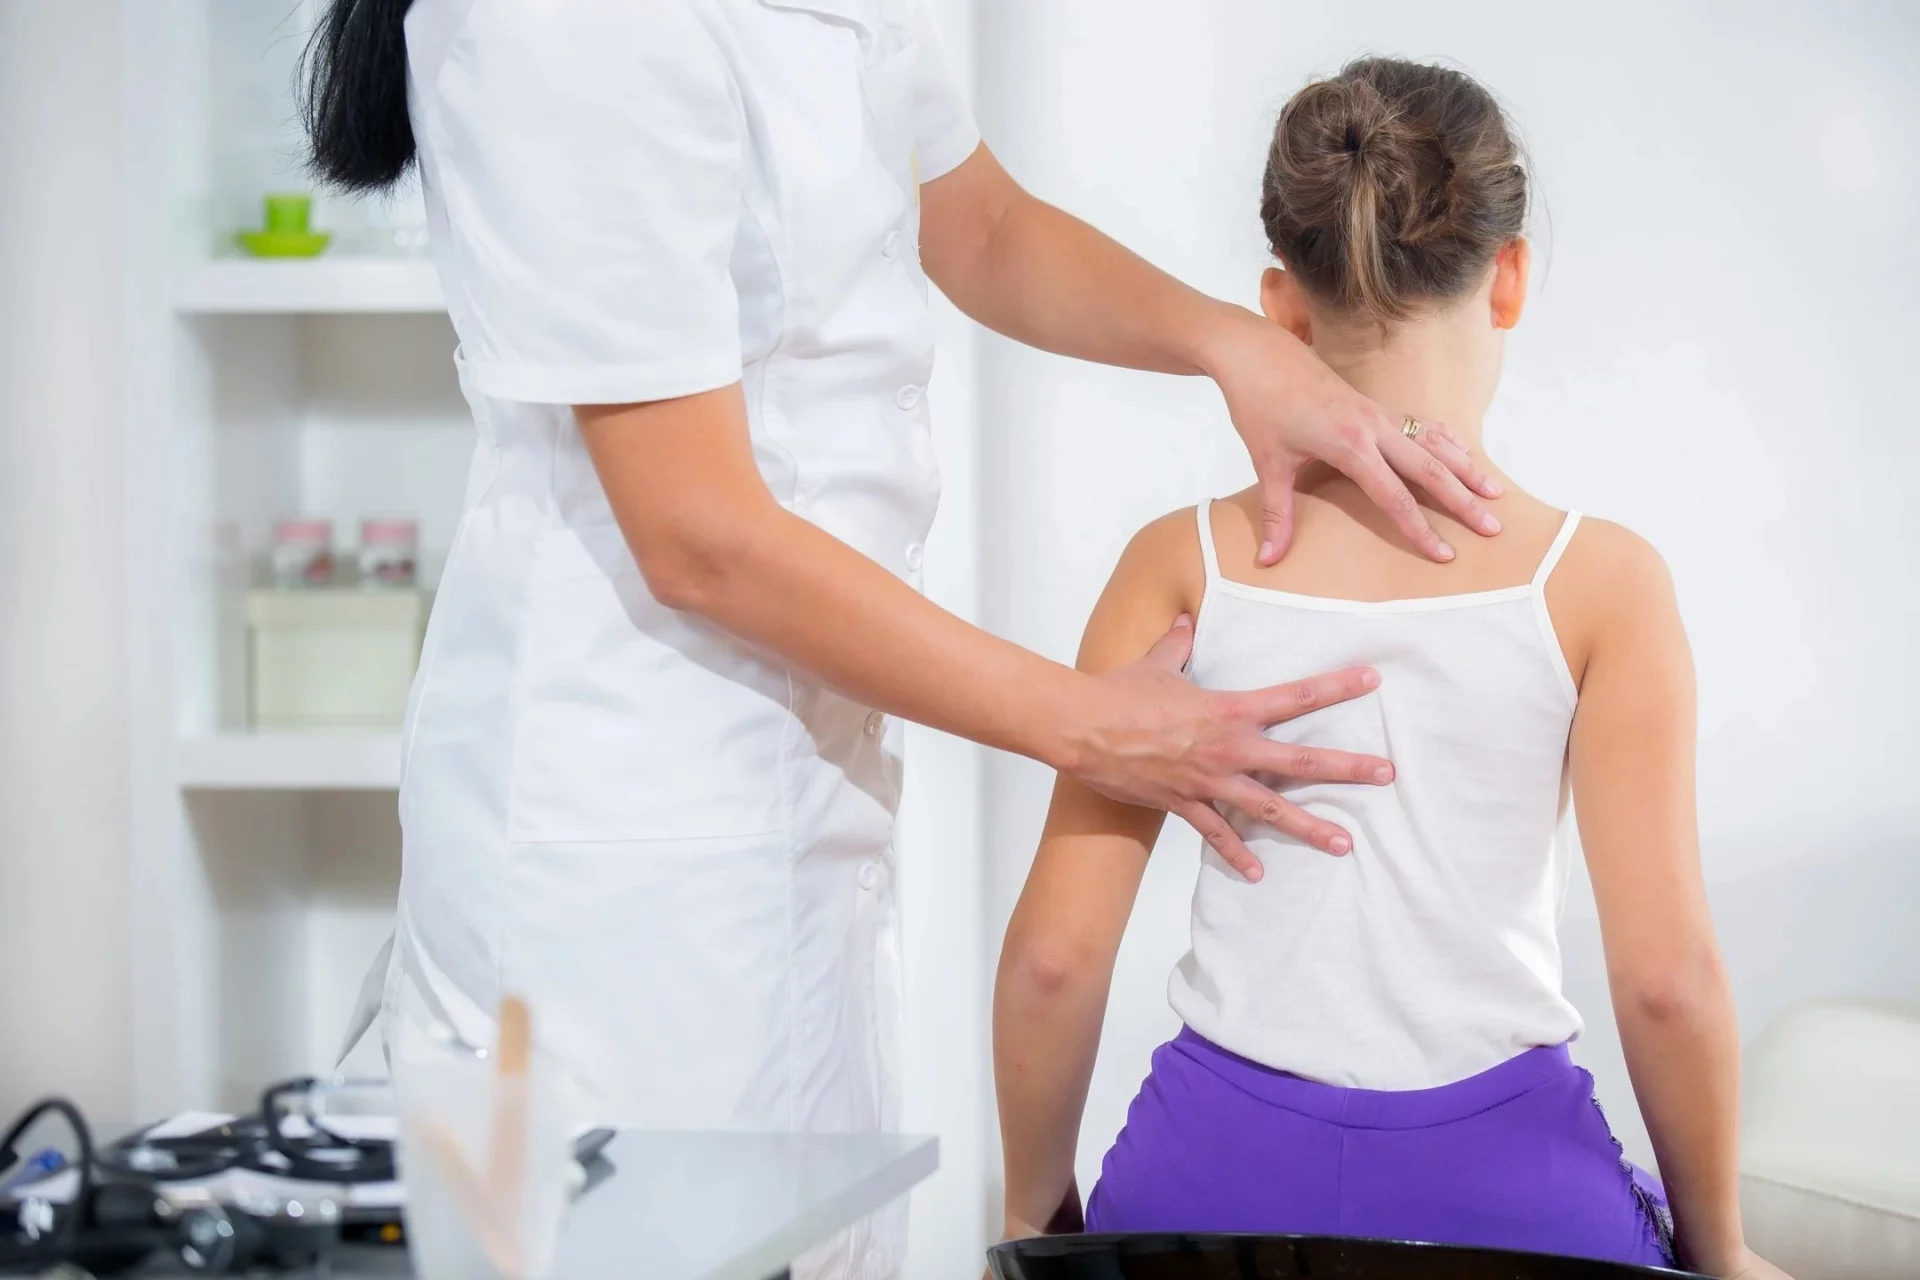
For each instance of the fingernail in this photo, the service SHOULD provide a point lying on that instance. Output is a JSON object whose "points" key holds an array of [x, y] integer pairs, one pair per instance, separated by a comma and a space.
{"points": [[1340, 844], [1491, 524], [1254, 873], [1369, 679], [1493, 488], [1266, 552], [1383, 774], [1446, 551], [1184, 620]]}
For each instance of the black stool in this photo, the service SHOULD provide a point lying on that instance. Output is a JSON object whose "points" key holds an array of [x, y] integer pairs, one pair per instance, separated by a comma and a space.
{"points": [[1207, 1256]]}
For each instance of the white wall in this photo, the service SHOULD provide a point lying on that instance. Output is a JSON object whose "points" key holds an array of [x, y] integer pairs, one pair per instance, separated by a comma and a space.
{"points": [[1725, 304], [63, 1000], [1728, 291]]}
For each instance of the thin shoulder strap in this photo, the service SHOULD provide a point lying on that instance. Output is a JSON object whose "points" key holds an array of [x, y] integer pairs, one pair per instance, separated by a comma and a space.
{"points": [[1203, 515], [1558, 549]]}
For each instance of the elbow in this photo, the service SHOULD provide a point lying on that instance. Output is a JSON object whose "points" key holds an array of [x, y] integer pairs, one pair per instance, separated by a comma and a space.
{"points": [[683, 582], [1049, 968], [688, 568], [1688, 989]]}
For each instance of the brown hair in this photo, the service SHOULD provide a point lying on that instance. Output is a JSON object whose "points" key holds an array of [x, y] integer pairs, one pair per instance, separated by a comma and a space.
{"points": [[1392, 184]]}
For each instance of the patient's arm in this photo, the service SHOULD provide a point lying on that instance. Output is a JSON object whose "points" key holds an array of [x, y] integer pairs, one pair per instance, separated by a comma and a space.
{"points": [[1632, 764], [1057, 961]]}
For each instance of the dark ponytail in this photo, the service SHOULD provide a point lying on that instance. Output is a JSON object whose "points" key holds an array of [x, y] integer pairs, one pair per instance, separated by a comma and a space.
{"points": [[354, 103]]}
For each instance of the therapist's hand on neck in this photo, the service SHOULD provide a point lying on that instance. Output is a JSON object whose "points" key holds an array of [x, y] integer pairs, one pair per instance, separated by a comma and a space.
{"points": [[1291, 409], [1025, 269]]}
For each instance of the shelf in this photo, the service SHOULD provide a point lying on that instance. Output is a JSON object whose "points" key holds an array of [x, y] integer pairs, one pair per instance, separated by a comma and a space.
{"points": [[247, 286], [289, 762]]}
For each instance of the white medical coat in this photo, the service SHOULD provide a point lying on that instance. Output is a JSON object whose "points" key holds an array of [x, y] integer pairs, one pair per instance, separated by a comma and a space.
{"points": [[675, 847]]}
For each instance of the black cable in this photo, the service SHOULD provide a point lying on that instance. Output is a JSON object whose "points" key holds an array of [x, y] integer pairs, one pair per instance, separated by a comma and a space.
{"points": [[109, 1224], [59, 1240], [307, 1158], [256, 1143]]}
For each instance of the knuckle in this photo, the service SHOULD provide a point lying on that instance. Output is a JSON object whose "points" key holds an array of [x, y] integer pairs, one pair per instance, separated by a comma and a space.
{"points": [[1272, 812], [1352, 439], [1403, 503], [1306, 764]]}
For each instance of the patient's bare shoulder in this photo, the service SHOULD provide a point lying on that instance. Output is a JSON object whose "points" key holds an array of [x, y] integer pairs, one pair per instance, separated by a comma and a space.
{"points": [[1159, 577], [1163, 558], [1608, 579]]}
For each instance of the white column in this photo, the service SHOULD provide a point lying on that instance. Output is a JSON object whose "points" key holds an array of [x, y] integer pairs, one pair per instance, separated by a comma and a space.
{"points": [[63, 741], [948, 965]]}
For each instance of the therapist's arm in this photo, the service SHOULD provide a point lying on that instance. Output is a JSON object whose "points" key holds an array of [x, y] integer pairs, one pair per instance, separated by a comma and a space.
{"points": [[1056, 964], [710, 540], [1036, 274]]}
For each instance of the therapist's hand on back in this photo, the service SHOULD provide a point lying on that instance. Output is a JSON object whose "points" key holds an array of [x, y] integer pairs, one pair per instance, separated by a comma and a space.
{"points": [[710, 540], [1154, 738]]}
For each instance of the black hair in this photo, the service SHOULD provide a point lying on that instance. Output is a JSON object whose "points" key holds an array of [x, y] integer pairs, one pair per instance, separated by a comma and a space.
{"points": [[354, 99]]}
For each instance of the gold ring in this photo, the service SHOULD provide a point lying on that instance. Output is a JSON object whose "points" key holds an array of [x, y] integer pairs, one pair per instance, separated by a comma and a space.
{"points": [[1411, 427]]}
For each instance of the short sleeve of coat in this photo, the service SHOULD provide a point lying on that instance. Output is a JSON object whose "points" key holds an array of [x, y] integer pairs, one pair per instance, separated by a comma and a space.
{"points": [[944, 129], [589, 154]]}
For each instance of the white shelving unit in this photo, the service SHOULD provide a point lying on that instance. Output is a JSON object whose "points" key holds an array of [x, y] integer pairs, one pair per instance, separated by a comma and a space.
{"points": [[365, 285], [266, 864], [289, 762]]}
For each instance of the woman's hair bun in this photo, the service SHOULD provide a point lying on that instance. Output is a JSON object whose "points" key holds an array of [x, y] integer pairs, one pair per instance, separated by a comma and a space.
{"points": [[1391, 184]]}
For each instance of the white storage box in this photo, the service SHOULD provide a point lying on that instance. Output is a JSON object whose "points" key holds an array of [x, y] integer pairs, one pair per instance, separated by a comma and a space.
{"points": [[332, 659]]}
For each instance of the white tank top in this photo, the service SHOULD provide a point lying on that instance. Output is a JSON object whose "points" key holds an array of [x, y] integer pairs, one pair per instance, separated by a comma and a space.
{"points": [[1430, 952]]}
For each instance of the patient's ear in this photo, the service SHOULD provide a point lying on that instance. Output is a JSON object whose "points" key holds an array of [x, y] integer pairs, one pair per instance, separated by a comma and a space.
{"points": [[1509, 296], [1285, 304]]}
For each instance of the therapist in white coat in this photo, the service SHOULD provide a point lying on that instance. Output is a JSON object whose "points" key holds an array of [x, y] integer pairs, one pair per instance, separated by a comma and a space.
{"points": [[651, 761]]}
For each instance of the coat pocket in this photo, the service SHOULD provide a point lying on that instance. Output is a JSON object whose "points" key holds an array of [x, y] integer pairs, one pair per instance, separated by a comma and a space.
{"points": [[632, 721]]}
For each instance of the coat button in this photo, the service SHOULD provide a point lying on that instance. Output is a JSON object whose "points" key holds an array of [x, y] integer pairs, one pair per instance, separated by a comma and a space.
{"points": [[875, 723], [869, 874], [891, 245], [909, 397], [915, 553]]}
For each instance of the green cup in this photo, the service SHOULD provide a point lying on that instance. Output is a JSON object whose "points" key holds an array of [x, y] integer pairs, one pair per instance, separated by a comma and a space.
{"points": [[289, 214]]}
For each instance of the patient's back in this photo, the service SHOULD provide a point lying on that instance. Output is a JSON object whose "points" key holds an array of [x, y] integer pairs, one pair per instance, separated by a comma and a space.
{"points": [[1429, 953]]}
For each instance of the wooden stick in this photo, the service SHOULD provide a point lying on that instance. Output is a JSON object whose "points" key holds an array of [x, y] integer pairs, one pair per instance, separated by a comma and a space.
{"points": [[507, 1167], [497, 1239]]}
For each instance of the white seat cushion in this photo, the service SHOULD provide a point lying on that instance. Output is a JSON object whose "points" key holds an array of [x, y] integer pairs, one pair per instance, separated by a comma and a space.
{"points": [[1830, 1143]]}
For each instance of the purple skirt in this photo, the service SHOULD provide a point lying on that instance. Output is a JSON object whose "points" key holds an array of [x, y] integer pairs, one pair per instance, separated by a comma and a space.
{"points": [[1517, 1157]]}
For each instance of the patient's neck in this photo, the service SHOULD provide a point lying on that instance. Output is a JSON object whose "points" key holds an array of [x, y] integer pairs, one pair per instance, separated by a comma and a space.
{"points": [[1440, 369]]}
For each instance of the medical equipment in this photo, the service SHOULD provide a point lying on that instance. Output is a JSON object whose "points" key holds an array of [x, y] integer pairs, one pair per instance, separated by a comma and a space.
{"points": [[278, 1188], [160, 1191]]}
